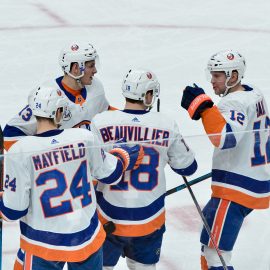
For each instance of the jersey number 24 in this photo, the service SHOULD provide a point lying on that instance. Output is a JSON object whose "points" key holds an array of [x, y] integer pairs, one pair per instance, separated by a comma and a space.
{"points": [[79, 187]]}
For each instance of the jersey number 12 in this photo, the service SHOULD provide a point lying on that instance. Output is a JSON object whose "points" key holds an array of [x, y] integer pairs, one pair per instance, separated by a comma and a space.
{"points": [[259, 157]]}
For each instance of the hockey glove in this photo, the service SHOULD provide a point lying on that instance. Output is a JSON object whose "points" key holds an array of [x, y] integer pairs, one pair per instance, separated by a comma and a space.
{"points": [[131, 156], [195, 101]]}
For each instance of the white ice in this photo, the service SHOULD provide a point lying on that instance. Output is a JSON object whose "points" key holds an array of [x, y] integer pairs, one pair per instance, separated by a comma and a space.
{"points": [[174, 38]]}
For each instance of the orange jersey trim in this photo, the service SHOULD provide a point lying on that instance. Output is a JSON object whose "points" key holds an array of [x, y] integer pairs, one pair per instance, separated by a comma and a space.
{"points": [[77, 255], [131, 230], [28, 261], [8, 144], [82, 123], [76, 93], [240, 197], [17, 265], [111, 108], [213, 123]]}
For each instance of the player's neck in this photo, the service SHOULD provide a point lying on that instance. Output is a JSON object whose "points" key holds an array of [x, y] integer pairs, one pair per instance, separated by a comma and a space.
{"points": [[43, 126], [134, 106], [238, 87], [71, 83]]}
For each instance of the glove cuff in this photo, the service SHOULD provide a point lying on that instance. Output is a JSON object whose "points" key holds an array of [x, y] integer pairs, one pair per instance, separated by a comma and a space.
{"points": [[122, 155], [196, 103]]}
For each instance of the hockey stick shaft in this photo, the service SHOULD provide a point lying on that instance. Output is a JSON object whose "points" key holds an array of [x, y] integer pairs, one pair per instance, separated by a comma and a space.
{"points": [[205, 223], [1, 187], [192, 182]]}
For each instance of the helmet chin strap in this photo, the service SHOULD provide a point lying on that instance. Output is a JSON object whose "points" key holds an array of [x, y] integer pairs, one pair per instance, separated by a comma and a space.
{"points": [[78, 78], [58, 123], [149, 105], [228, 87]]}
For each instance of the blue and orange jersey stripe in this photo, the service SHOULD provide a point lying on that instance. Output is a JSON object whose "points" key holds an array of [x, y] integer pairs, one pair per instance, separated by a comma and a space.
{"points": [[136, 230], [252, 193], [240, 197], [79, 99], [135, 221], [76, 96], [69, 254]]}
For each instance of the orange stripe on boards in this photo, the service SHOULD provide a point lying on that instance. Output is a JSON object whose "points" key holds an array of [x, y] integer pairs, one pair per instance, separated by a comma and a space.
{"points": [[27, 261], [213, 123], [240, 197], [138, 229], [219, 221], [63, 255], [204, 265], [17, 265], [8, 144]]}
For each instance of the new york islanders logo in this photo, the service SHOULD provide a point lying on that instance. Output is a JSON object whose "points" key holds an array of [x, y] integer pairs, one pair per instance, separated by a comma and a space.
{"points": [[74, 47], [149, 75], [230, 56]]}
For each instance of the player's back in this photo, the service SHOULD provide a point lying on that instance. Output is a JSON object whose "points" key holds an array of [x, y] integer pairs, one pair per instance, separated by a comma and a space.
{"points": [[139, 197], [242, 172], [61, 222]]}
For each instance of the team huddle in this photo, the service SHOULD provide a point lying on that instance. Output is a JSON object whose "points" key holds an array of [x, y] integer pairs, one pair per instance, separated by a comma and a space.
{"points": [[76, 137]]}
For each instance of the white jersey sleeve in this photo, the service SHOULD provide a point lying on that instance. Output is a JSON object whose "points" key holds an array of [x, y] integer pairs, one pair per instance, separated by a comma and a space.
{"points": [[103, 165], [17, 182], [181, 157]]}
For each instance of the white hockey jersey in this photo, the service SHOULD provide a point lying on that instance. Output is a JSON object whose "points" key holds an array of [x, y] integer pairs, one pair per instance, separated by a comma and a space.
{"points": [[83, 106], [241, 169], [136, 204], [52, 194]]}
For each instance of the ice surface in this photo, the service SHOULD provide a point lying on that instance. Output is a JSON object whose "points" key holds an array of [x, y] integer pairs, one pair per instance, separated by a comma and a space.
{"points": [[174, 38]]}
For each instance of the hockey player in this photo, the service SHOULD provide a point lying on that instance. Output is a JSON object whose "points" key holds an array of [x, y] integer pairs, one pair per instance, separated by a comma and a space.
{"points": [[85, 95], [136, 204], [241, 173], [84, 91], [50, 189]]}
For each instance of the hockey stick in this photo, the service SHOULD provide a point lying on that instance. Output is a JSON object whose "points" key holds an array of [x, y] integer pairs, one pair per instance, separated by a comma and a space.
{"points": [[1, 187], [192, 182], [109, 227], [205, 223]]}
